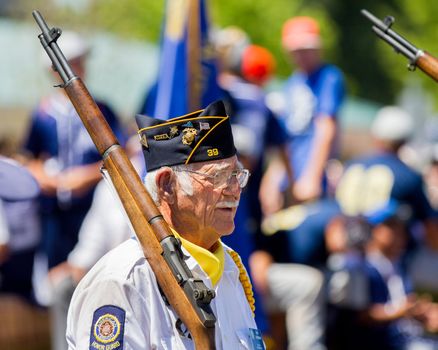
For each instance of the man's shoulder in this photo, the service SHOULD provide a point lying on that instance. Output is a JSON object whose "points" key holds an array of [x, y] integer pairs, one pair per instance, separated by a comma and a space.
{"points": [[125, 254], [118, 263], [330, 73], [232, 259]]}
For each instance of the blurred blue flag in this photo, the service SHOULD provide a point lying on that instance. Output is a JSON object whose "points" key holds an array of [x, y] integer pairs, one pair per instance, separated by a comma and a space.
{"points": [[187, 78]]}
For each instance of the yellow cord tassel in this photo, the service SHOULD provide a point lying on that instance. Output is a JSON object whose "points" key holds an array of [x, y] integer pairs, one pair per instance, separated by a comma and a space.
{"points": [[244, 280]]}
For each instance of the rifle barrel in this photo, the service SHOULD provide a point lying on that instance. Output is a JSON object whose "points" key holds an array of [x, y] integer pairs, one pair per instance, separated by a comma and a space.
{"points": [[386, 29], [48, 39], [397, 46]]}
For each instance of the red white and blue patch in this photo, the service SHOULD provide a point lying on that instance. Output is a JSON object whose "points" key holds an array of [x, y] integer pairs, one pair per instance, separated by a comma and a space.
{"points": [[107, 328]]}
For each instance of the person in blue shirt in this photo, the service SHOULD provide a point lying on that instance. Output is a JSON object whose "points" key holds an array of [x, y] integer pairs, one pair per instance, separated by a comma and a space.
{"points": [[383, 313], [311, 100], [67, 165], [19, 231], [64, 159], [371, 180]]}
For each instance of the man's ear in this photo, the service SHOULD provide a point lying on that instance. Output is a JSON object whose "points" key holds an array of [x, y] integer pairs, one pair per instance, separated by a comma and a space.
{"points": [[165, 181]]}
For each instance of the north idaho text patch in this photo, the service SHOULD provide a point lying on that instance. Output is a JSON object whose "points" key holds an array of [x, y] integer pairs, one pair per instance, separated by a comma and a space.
{"points": [[107, 328]]}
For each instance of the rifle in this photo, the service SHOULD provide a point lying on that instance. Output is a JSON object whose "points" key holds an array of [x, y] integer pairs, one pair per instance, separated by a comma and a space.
{"points": [[417, 57], [189, 297]]}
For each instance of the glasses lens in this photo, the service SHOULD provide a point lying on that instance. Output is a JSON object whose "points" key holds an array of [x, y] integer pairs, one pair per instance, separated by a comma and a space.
{"points": [[224, 178], [221, 179], [242, 177]]}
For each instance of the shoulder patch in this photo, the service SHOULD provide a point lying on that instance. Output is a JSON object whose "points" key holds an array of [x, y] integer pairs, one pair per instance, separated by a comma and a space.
{"points": [[107, 328]]}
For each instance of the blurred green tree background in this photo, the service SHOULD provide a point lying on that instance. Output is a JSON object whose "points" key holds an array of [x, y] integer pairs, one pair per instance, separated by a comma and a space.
{"points": [[372, 69]]}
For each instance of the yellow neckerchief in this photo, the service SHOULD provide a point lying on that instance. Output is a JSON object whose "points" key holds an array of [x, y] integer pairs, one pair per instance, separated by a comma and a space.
{"points": [[211, 263]]}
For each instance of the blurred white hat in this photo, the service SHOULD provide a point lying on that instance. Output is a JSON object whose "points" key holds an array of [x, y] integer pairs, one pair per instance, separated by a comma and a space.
{"points": [[392, 124], [230, 42], [72, 46], [244, 139]]}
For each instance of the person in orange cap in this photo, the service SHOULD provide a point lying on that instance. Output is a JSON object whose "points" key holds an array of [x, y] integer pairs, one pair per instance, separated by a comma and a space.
{"points": [[309, 107], [301, 33]]}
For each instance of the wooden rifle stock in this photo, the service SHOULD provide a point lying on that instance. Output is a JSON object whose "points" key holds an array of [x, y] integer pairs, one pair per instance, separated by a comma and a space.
{"points": [[149, 225], [429, 65]]}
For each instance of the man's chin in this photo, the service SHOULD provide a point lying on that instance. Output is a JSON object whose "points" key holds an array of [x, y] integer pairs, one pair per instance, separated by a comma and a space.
{"points": [[226, 231]]}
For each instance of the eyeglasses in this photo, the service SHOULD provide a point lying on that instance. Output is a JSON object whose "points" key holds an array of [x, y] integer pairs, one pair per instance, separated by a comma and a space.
{"points": [[223, 178]]}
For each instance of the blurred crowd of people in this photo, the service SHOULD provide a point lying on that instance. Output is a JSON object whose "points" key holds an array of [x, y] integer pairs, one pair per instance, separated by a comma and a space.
{"points": [[339, 258]]}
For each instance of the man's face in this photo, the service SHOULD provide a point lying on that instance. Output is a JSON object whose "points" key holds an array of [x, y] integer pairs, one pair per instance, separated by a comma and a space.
{"points": [[391, 238], [306, 60], [211, 208]]}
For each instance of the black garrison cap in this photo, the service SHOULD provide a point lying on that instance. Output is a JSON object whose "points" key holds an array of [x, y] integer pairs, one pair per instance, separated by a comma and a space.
{"points": [[196, 137]]}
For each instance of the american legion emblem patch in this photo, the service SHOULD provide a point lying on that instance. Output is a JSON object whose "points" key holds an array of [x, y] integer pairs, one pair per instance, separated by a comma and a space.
{"points": [[107, 328]]}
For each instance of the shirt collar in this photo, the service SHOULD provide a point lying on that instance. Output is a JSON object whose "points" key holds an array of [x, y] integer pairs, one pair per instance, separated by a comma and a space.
{"points": [[212, 263]]}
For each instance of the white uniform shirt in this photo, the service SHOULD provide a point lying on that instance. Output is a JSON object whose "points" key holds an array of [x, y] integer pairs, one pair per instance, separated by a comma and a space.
{"points": [[118, 304], [105, 226]]}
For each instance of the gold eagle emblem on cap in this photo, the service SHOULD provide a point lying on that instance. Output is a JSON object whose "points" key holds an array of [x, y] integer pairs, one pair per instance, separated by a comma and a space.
{"points": [[189, 135]]}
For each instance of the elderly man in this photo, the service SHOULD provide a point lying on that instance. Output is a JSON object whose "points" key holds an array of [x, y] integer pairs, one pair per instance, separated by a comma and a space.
{"points": [[196, 182]]}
